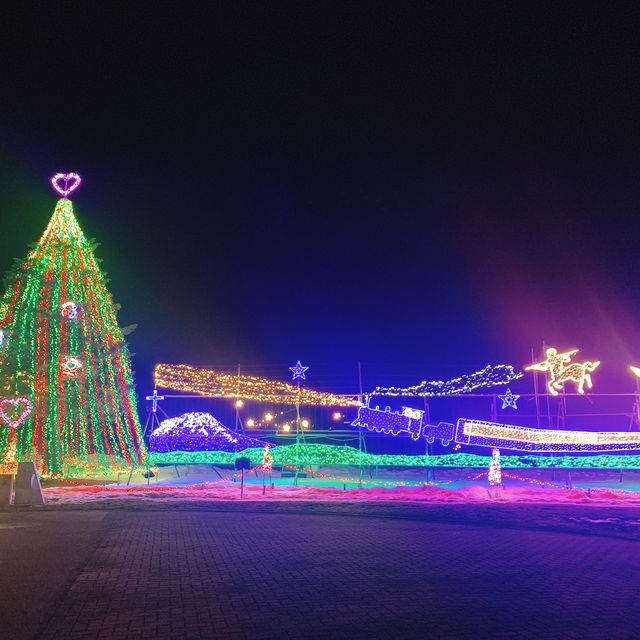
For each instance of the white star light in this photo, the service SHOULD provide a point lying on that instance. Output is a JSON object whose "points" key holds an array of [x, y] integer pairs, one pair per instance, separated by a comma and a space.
{"points": [[509, 400], [298, 371]]}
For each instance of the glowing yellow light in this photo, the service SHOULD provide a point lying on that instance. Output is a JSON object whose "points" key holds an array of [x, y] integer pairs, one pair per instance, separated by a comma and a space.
{"points": [[635, 370], [336, 415], [268, 417], [286, 427], [251, 422], [239, 404], [562, 370], [183, 377], [304, 423]]}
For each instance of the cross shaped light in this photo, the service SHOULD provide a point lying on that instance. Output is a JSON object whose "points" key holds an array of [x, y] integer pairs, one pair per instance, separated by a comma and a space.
{"points": [[154, 398]]}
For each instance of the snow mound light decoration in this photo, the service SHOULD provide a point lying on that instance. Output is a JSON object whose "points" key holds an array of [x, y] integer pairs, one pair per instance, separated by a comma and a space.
{"points": [[73, 367], [198, 431]]}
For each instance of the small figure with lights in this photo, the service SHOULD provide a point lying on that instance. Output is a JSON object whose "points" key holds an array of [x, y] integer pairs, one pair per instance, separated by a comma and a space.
{"points": [[495, 473]]}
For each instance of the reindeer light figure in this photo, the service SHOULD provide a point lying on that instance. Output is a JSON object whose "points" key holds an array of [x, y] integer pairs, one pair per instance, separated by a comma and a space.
{"points": [[562, 370]]}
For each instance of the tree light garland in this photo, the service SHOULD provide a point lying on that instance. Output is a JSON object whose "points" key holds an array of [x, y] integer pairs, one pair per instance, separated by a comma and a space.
{"points": [[490, 376], [214, 384]]}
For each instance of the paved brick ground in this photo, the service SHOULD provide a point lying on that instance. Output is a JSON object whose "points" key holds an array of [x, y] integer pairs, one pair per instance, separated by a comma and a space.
{"points": [[204, 574]]}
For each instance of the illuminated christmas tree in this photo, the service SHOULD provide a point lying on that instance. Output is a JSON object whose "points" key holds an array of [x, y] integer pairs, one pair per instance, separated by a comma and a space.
{"points": [[64, 354], [495, 472]]}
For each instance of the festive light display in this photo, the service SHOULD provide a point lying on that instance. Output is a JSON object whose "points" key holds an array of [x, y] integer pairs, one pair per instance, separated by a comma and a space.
{"points": [[69, 310], [509, 399], [490, 376], [562, 370], [504, 436], [336, 455], [83, 422], [495, 476], [13, 403], [70, 366], [59, 178], [154, 397], [214, 384], [298, 371], [198, 431], [394, 423], [267, 459]]}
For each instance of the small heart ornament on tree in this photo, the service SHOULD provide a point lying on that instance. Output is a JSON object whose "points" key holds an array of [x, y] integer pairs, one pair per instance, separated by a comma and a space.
{"points": [[71, 182], [13, 402]]}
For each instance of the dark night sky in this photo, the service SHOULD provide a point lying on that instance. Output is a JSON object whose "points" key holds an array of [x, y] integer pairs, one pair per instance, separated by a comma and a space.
{"points": [[424, 190]]}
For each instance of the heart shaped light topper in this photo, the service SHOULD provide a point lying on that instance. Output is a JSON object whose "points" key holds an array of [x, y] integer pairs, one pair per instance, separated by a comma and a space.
{"points": [[65, 178], [5, 402]]}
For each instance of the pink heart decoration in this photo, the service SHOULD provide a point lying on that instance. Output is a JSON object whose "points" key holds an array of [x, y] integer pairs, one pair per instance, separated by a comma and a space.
{"points": [[65, 177], [13, 402]]}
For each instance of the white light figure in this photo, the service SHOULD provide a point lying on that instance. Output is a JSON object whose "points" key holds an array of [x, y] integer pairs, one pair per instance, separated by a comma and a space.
{"points": [[509, 400], [69, 310], [562, 370], [495, 472]]}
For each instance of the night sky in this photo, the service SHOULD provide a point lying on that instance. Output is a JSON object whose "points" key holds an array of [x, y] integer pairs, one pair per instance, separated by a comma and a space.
{"points": [[423, 190]]}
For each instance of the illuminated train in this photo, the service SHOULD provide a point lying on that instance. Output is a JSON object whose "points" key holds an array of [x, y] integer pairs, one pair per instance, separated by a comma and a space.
{"points": [[492, 434]]}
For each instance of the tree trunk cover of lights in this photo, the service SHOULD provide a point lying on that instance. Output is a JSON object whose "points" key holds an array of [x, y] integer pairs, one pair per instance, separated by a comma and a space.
{"points": [[63, 351]]}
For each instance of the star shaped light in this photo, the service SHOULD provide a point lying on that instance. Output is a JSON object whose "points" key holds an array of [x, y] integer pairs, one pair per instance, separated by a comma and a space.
{"points": [[298, 371], [509, 399]]}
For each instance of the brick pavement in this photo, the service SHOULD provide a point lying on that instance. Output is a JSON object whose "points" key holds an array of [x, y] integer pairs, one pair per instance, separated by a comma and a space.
{"points": [[205, 574]]}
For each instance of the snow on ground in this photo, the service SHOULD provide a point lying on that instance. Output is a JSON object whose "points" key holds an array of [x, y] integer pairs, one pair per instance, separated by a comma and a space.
{"points": [[203, 483]]}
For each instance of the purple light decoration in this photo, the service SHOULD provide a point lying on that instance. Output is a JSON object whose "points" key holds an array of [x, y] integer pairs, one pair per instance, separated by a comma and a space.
{"points": [[506, 436], [199, 431], [298, 371], [509, 399], [66, 178], [154, 398], [395, 423]]}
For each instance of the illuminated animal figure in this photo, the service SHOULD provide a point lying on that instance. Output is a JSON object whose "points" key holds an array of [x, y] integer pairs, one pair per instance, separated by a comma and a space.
{"points": [[562, 370]]}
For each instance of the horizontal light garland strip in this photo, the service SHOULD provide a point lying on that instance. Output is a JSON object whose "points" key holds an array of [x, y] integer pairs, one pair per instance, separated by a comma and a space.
{"points": [[490, 376], [334, 455], [213, 384]]}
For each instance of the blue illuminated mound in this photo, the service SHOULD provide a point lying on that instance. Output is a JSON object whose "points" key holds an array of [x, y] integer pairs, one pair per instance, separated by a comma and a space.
{"points": [[198, 431]]}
